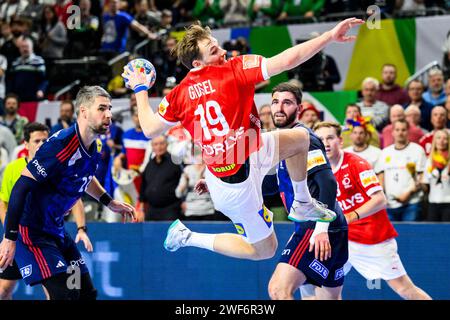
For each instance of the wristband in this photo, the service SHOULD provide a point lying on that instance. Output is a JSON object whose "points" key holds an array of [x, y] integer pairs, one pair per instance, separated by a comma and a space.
{"points": [[357, 214], [140, 87], [84, 228], [105, 199]]}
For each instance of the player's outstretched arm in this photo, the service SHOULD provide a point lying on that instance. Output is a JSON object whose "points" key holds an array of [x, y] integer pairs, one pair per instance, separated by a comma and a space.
{"points": [[151, 124], [294, 56], [96, 191]]}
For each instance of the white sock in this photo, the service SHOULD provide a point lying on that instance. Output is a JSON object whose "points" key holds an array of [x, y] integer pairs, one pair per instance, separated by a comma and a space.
{"points": [[201, 240], [301, 191]]}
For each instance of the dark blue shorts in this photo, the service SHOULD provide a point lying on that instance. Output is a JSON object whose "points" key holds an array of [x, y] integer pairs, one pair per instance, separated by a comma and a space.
{"points": [[40, 256], [328, 273]]}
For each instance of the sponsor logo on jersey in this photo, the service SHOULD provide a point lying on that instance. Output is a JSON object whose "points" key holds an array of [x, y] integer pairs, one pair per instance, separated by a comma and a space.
{"points": [[99, 145], [218, 148], [339, 273], [240, 229], [387, 159], [77, 263], [349, 203], [163, 107], [250, 61], [26, 271], [40, 169], [265, 214], [60, 264], [319, 268], [316, 158], [224, 168], [347, 182], [368, 177], [75, 157]]}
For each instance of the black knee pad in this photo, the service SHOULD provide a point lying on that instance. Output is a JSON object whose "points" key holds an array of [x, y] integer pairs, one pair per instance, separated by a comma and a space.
{"points": [[88, 291], [57, 288], [88, 294]]}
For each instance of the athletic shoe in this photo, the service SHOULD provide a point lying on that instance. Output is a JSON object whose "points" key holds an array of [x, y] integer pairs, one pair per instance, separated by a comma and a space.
{"points": [[310, 211], [177, 235]]}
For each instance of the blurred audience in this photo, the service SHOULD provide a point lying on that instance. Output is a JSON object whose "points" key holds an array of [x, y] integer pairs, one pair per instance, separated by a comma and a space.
{"points": [[12, 120], [390, 92], [415, 90], [360, 137], [159, 182], [437, 178], [400, 168], [66, 116], [398, 113], [378, 111], [435, 95], [438, 121]]}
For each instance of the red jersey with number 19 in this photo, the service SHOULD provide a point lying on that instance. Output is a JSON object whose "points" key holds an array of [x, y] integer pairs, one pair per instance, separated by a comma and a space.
{"points": [[356, 183], [215, 104]]}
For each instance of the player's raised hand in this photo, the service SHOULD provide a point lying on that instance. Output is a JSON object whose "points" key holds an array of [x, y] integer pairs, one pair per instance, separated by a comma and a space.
{"points": [[321, 244], [338, 33], [7, 252], [135, 78], [82, 236], [125, 209]]}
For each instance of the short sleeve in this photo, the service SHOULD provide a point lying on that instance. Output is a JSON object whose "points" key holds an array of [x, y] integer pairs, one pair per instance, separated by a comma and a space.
{"points": [[250, 69], [379, 164], [6, 187], [426, 175], [127, 18], [45, 163], [366, 177], [167, 110], [420, 165]]}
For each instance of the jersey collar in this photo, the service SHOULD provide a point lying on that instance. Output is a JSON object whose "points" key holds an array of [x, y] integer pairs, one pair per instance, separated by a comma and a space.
{"points": [[80, 140], [336, 169]]}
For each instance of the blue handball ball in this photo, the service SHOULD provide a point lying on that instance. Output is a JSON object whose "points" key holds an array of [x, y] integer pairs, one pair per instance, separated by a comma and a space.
{"points": [[144, 66]]}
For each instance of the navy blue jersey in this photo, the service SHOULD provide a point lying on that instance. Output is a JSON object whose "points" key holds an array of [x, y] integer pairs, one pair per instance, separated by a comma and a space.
{"points": [[64, 168], [321, 183]]}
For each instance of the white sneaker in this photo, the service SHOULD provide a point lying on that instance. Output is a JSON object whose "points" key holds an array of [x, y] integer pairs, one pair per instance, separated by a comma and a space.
{"points": [[310, 211], [177, 235]]}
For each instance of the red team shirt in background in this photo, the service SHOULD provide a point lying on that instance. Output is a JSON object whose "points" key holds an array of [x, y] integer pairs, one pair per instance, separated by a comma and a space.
{"points": [[215, 104], [357, 181]]}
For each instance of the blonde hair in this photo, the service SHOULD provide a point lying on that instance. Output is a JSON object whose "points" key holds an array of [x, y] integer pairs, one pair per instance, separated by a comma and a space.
{"points": [[328, 124], [370, 80], [433, 143], [187, 50]]}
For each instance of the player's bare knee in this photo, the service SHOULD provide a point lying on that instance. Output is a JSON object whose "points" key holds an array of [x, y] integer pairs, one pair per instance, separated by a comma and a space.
{"points": [[266, 252], [278, 292], [6, 290], [5, 294]]}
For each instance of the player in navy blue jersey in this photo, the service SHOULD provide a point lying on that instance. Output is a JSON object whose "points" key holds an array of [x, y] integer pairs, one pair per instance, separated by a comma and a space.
{"points": [[52, 182], [317, 251]]}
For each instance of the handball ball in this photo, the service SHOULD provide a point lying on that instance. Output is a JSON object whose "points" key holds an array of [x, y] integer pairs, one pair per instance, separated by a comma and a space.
{"points": [[144, 66]]}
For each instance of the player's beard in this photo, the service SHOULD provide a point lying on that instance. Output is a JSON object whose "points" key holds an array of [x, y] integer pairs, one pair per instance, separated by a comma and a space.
{"points": [[283, 124], [101, 128]]}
